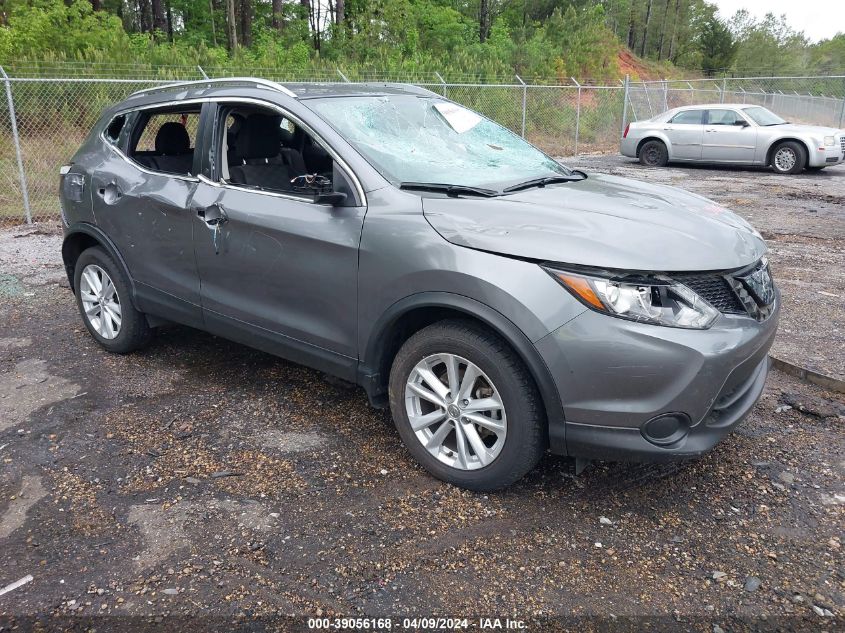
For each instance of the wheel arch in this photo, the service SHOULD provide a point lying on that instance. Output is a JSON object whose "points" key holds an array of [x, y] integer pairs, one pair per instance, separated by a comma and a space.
{"points": [[654, 137], [770, 152], [413, 313], [82, 236]]}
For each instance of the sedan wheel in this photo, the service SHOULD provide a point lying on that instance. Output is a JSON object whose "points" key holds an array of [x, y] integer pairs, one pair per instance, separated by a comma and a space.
{"points": [[789, 158], [100, 301], [785, 159], [455, 411], [654, 154]]}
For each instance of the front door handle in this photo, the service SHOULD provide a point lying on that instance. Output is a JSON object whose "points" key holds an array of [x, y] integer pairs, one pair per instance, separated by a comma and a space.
{"points": [[214, 215]]}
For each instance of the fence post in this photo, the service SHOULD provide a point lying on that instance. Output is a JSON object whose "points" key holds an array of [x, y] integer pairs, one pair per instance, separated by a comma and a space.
{"points": [[524, 102], [442, 81], [202, 72], [14, 122], [724, 88], [625, 88], [665, 95], [577, 114], [842, 114]]}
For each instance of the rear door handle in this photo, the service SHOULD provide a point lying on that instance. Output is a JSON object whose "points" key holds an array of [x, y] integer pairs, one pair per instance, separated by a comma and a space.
{"points": [[110, 194]]}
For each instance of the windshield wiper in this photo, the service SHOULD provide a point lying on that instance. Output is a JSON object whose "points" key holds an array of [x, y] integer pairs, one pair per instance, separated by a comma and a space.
{"points": [[546, 180], [450, 190]]}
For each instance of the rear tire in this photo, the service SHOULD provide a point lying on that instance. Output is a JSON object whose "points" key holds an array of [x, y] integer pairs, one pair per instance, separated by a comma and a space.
{"points": [[105, 304], [654, 154], [513, 436], [789, 157]]}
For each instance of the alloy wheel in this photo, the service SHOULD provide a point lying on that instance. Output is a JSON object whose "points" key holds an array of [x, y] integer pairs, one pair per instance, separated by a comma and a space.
{"points": [[455, 411], [785, 159], [100, 301]]}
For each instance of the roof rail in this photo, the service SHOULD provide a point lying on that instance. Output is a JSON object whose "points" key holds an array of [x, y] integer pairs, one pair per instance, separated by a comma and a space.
{"points": [[265, 83]]}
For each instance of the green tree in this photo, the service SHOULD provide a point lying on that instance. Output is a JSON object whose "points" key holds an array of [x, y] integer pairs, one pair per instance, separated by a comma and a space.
{"points": [[717, 45]]}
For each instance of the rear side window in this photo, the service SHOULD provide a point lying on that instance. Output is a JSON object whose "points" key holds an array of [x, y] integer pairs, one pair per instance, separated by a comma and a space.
{"points": [[114, 127], [164, 140], [688, 117]]}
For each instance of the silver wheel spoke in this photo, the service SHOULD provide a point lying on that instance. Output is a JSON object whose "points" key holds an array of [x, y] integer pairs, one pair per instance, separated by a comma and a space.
{"points": [[108, 330], [427, 420], [483, 404], [433, 382], [463, 453], [114, 308], [436, 439], [425, 394], [477, 445], [108, 288], [468, 382], [92, 310], [452, 374], [495, 426]]}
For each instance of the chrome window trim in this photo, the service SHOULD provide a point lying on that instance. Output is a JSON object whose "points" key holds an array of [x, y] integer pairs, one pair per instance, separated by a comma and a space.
{"points": [[356, 183], [140, 167]]}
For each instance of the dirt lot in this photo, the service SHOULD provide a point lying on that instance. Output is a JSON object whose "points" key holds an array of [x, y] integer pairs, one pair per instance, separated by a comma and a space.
{"points": [[202, 478]]}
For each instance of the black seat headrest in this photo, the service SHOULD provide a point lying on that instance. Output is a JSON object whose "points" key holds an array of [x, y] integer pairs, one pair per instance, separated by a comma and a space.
{"points": [[260, 136], [172, 139], [286, 137]]}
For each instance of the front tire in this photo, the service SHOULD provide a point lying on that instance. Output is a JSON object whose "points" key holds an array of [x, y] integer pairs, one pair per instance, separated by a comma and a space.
{"points": [[789, 157], [103, 298], [654, 154], [466, 407]]}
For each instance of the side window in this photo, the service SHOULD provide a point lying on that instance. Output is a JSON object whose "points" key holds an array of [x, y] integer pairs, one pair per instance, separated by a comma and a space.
{"points": [[687, 117], [114, 127], [723, 117], [164, 140], [261, 149]]}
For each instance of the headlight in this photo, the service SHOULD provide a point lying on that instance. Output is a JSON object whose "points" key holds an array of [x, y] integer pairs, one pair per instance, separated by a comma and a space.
{"points": [[829, 141], [649, 299]]}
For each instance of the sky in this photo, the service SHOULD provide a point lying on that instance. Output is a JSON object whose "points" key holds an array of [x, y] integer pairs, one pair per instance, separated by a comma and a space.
{"points": [[819, 19]]}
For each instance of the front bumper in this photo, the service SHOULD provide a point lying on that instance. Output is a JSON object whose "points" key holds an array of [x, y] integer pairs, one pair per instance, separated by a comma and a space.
{"points": [[827, 156], [620, 382]]}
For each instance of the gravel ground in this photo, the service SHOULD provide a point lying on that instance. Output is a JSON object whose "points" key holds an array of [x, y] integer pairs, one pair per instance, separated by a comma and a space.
{"points": [[201, 478]]}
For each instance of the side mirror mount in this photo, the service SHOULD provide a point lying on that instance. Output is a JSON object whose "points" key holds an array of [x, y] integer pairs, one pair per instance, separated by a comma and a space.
{"points": [[331, 198], [742, 123]]}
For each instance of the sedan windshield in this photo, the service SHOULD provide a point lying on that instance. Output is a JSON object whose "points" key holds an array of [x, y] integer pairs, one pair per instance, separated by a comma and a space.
{"points": [[411, 139], [762, 116]]}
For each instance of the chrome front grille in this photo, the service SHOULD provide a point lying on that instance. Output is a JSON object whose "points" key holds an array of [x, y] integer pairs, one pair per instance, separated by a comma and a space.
{"points": [[842, 143]]}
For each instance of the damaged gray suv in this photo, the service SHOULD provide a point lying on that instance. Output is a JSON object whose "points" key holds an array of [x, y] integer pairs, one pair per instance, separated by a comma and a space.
{"points": [[499, 303]]}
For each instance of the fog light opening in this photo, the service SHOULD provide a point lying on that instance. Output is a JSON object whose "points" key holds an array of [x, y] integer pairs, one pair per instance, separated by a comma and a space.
{"points": [[666, 429]]}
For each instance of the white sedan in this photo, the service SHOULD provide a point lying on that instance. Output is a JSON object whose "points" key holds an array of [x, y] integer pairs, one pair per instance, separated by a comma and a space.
{"points": [[734, 134]]}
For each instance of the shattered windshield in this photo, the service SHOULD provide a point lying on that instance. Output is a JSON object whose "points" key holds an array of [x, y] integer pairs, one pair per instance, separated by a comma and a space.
{"points": [[425, 139]]}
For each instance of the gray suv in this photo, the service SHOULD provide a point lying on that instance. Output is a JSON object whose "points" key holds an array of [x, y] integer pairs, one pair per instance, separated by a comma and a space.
{"points": [[499, 303]]}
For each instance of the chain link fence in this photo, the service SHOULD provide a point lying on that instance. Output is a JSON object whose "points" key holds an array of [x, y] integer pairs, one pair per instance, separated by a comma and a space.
{"points": [[810, 100], [45, 115]]}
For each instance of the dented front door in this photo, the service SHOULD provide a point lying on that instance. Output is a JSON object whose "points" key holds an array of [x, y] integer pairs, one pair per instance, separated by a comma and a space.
{"points": [[286, 266]]}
